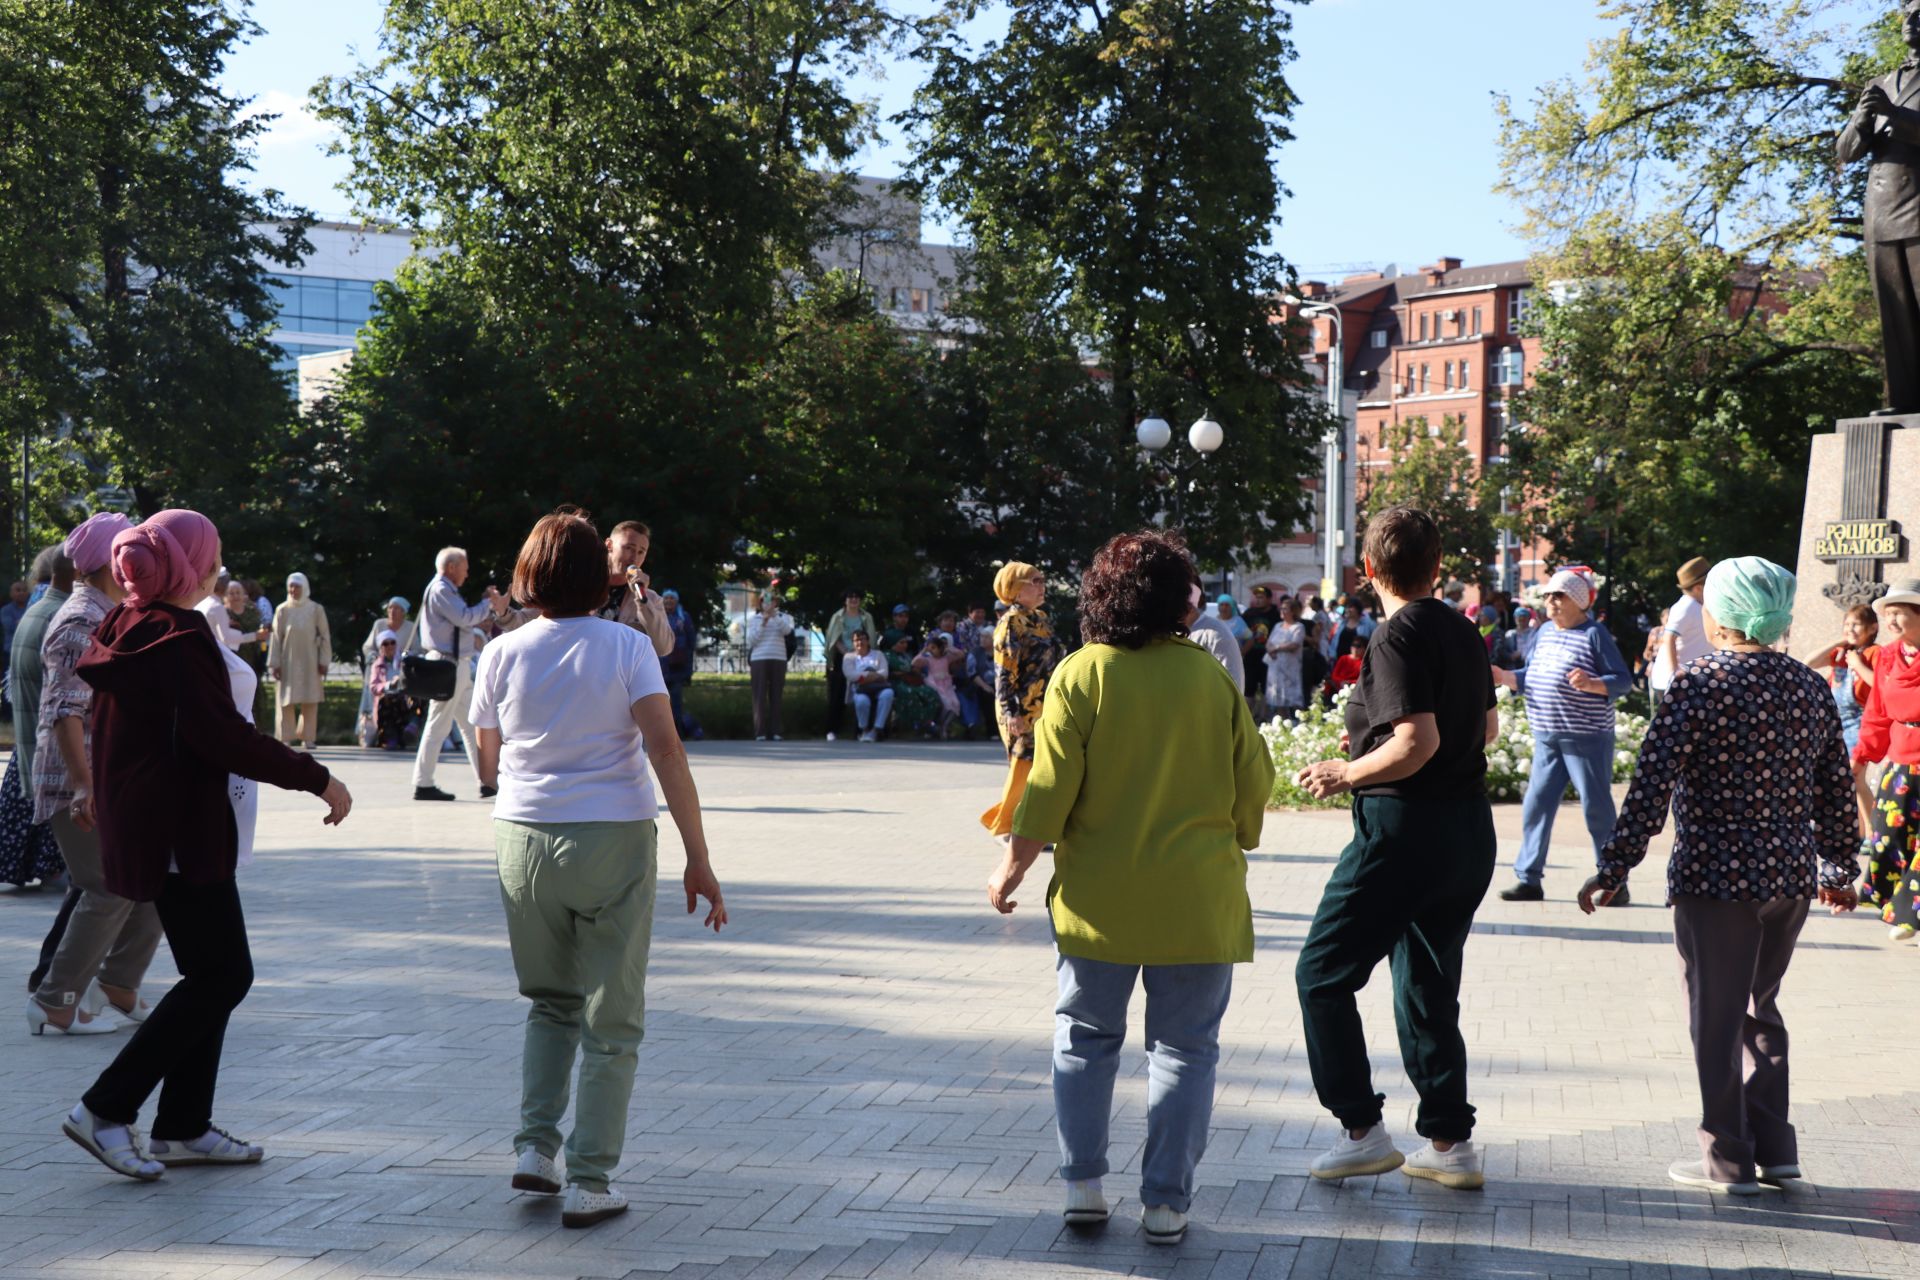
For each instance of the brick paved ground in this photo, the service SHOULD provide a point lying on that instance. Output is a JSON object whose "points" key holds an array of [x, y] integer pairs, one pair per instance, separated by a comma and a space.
{"points": [[852, 1081]]}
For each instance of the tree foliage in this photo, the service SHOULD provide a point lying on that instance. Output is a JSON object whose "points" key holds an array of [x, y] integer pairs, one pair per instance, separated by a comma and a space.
{"points": [[1434, 470], [1113, 165], [133, 267]]}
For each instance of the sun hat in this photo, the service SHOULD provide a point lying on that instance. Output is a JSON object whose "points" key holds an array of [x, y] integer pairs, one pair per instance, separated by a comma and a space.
{"points": [[1906, 592], [1694, 570], [1752, 595], [387, 636], [1575, 583], [397, 600], [669, 592]]}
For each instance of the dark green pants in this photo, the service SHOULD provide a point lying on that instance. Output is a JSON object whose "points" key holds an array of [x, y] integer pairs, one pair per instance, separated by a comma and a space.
{"points": [[1404, 891]]}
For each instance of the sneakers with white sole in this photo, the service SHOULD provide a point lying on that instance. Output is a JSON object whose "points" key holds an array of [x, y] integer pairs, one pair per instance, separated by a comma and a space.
{"points": [[1458, 1167], [1086, 1204], [535, 1172], [1775, 1174], [1163, 1224], [215, 1146], [1693, 1173], [1374, 1153], [1900, 933], [583, 1208]]}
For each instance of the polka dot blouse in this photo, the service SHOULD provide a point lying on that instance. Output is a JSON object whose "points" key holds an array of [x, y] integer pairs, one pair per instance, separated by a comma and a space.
{"points": [[1747, 748]]}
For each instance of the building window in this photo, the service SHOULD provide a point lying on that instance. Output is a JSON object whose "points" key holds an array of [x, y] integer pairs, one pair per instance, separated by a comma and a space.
{"points": [[1379, 339], [1476, 321], [319, 304], [1423, 380], [1446, 376], [1464, 384], [1510, 367], [1409, 390], [1519, 307], [917, 301], [1423, 326]]}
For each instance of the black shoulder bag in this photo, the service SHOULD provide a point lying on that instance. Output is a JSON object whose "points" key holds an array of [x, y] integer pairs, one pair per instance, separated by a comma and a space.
{"points": [[431, 678]]}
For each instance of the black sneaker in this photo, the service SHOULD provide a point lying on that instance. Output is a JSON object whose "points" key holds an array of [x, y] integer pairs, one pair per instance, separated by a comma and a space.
{"points": [[1523, 892], [488, 793], [1620, 898], [431, 793]]}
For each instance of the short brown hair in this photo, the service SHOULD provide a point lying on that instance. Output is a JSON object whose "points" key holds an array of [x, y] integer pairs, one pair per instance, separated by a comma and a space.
{"points": [[562, 569], [1403, 546], [1137, 590], [1864, 613], [631, 526]]}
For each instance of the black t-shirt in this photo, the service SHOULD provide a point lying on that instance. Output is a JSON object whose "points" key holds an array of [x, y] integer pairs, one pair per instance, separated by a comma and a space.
{"points": [[1427, 657]]}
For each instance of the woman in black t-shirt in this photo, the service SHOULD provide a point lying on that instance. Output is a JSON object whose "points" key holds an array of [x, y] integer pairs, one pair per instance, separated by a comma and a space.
{"points": [[1406, 888]]}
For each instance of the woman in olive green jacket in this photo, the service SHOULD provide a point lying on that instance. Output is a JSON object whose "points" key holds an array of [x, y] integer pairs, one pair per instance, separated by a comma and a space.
{"points": [[1151, 780]]}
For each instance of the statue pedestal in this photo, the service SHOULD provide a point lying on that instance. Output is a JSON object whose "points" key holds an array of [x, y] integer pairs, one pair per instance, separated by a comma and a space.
{"points": [[1858, 528]]}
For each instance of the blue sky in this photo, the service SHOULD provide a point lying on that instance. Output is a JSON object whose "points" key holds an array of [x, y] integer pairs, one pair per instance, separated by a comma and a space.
{"points": [[1394, 156]]}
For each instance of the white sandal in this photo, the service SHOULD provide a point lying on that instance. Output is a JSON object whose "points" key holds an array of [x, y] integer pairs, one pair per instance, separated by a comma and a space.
{"points": [[96, 1001], [225, 1149], [39, 1024], [128, 1158]]}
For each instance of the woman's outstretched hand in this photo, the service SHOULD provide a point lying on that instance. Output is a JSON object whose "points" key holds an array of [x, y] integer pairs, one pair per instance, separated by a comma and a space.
{"points": [[701, 883], [339, 802]]}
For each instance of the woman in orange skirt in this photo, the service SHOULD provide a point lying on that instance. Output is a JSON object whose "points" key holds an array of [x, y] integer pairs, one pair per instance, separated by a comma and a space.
{"points": [[1024, 653]]}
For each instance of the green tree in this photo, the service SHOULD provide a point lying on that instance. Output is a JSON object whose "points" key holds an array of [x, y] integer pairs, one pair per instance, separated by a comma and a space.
{"points": [[1434, 470], [1113, 165], [133, 268], [628, 191]]}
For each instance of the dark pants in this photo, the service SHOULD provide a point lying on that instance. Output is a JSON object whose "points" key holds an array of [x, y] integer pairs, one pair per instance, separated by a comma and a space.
{"points": [[1733, 958], [1404, 891], [178, 1047], [51, 944], [769, 679], [1894, 267], [836, 693], [677, 682]]}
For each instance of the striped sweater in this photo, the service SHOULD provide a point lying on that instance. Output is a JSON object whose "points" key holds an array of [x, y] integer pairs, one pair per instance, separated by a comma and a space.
{"points": [[1553, 705]]}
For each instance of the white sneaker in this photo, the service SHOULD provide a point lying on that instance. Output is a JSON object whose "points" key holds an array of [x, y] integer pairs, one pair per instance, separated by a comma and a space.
{"points": [[537, 1173], [1459, 1167], [1900, 933], [1693, 1173], [1086, 1204], [1372, 1154], [583, 1208], [833, 737], [1775, 1174], [1163, 1224]]}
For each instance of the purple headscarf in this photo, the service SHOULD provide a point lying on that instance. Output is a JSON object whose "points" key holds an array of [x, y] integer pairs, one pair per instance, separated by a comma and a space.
{"points": [[90, 545], [167, 556]]}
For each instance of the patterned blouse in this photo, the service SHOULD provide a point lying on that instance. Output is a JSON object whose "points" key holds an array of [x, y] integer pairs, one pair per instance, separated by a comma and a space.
{"points": [[65, 695], [1747, 746], [1026, 652]]}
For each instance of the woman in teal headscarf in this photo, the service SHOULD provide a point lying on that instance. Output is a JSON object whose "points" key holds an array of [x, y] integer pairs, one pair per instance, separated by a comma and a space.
{"points": [[1747, 747]]}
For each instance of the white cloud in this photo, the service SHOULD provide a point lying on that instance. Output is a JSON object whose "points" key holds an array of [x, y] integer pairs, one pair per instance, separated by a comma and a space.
{"points": [[296, 126]]}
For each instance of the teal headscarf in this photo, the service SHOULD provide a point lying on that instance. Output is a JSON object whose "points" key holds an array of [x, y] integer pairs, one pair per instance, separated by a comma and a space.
{"points": [[1751, 595]]}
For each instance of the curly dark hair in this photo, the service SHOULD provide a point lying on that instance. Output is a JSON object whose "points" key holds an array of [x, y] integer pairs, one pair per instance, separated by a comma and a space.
{"points": [[1138, 590]]}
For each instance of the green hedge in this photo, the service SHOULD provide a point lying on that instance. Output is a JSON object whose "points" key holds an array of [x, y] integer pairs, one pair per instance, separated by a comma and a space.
{"points": [[723, 704]]}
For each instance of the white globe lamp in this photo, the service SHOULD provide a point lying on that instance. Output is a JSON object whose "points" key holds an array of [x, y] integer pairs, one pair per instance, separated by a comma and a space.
{"points": [[1154, 434], [1206, 435]]}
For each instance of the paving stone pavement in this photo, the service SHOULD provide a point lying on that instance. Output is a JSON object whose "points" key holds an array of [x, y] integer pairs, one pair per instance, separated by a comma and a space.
{"points": [[852, 1080]]}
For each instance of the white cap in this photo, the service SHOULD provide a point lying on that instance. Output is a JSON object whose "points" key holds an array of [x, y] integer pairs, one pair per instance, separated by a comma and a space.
{"points": [[385, 636]]}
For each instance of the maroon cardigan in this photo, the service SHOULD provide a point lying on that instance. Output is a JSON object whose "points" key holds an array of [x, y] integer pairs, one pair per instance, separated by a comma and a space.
{"points": [[165, 737]]}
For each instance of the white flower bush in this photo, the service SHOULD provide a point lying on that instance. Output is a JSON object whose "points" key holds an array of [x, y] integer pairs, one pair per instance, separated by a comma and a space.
{"points": [[1315, 735]]}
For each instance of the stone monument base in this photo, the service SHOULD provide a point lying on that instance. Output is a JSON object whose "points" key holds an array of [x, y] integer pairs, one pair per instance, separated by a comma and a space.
{"points": [[1858, 527]]}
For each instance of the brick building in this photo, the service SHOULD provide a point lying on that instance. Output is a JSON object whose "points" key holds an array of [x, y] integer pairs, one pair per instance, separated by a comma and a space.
{"points": [[1443, 344]]}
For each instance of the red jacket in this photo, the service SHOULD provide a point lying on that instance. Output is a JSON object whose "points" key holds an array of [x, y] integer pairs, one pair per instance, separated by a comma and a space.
{"points": [[1890, 724], [165, 737]]}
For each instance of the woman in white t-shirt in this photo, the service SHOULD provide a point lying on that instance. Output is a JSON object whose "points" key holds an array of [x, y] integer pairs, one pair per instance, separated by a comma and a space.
{"points": [[568, 709]]}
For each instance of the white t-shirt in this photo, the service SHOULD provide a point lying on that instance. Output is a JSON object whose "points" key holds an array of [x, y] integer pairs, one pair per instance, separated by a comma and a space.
{"points": [[214, 609], [560, 691], [854, 666], [1689, 627]]}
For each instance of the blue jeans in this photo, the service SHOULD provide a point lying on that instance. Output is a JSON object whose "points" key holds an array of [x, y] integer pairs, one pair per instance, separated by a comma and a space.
{"points": [[677, 683], [1586, 759], [1185, 1003], [864, 708]]}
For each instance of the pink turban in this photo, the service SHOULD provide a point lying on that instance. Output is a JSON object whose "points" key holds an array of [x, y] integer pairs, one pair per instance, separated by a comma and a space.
{"points": [[90, 545], [168, 555]]}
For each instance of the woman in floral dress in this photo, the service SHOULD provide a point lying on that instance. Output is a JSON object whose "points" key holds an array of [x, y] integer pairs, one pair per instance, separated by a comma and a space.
{"points": [[1025, 651]]}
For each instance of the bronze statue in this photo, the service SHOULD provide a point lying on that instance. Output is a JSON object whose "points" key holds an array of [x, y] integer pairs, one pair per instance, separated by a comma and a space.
{"points": [[1886, 126]]}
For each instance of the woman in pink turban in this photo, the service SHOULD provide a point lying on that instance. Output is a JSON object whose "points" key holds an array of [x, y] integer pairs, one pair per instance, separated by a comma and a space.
{"points": [[166, 736]]}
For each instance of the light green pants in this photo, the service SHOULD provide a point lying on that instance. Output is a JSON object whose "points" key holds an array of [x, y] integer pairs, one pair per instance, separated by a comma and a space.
{"points": [[579, 899]]}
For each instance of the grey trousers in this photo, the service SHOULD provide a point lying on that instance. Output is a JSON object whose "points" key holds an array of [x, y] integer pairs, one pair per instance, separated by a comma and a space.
{"points": [[1733, 958], [768, 678], [108, 937]]}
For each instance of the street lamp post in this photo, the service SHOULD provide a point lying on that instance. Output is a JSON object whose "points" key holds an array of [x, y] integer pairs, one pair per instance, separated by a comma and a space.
{"points": [[1204, 437], [1334, 482]]}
